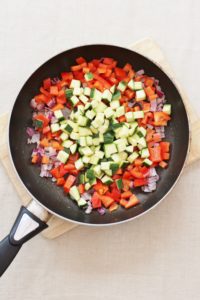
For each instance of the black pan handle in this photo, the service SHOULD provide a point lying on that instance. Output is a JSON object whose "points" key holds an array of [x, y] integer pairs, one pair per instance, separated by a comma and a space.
{"points": [[26, 226]]}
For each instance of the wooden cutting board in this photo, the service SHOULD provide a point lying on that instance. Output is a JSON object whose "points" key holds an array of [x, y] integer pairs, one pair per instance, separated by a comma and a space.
{"points": [[148, 48]]}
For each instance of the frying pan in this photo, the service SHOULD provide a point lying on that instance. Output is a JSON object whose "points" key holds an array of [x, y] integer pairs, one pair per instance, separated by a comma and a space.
{"points": [[50, 199]]}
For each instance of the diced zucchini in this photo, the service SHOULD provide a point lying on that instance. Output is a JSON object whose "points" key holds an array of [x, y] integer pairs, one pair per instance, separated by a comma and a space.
{"points": [[59, 115], [121, 86], [94, 130], [74, 136], [132, 141], [90, 174], [141, 131], [97, 170], [142, 142], [73, 148], [110, 149], [138, 85], [82, 202], [129, 116], [107, 95], [108, 112], [132, 157], [67, 143], [96, 141], [122, 132], [87, 151], [100, 108], [74, 100], [112, 89], [123, 155], [124, 164], [131, 84], [79, 164], [140, 95], [167, 108], [116, 95], [108, 172], [82, 141], [114, 104], [83, 99], [145, 153], [75, 83], [116, 157], [81, 110], [120, 111], [108, 138], [74, 193], [89, 141], [87, 91], [87, 186], [133, 127], [97, 95], [86, 159], [73, 125], [94, 159], [90, 114], [105, 165], [114, 167], [121, 144], [106, 180], [69, 93], [138, 114], [119, 183], [55, 127], [82, 121], [64, 136], [62, 156], [147, 162], [129, 149], [99, 154], [84, 131], [82, 178], [88, 76], [77, 91]]}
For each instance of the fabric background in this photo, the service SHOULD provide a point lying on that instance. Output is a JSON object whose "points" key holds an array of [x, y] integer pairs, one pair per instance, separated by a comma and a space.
{"points": [[155, 257]]}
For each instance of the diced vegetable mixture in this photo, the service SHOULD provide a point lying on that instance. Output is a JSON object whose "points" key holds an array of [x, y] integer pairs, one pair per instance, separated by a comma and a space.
{"points": [[99, 132]]}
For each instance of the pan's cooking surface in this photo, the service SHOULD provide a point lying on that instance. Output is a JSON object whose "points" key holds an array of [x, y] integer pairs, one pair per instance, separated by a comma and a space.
{"points": [[43, 189]]}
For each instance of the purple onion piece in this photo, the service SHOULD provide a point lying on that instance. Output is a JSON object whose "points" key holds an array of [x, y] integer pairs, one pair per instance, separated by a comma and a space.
{"points": [[51, 103], [140, 72], [40, 106], [30, 131], [101, 211], [33, 103]]}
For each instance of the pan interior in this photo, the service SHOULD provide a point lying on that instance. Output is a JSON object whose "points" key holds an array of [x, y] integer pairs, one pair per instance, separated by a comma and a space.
{"points": [[51, 196]]}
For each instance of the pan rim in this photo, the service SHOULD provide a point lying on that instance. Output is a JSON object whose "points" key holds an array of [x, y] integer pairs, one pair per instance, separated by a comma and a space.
{"points": [[128, 219]]}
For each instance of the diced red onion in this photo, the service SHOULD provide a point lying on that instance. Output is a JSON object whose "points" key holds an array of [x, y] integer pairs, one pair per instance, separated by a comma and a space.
{"points": [[66, 112], [50, 151], [86, 196], [130, 104], [51, 103], [101, 211], [53, 179], [40, 106], [89, 208], [160, 129], [150, 126], [152, 172], [54, 120], [33, 103], [153, 105], [140, 72], [44, 172], [30, 131], [34, 139], [55, 80]]}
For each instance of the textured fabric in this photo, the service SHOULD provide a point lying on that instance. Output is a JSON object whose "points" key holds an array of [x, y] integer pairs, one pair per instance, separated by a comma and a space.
{"points": [[155, 257]]}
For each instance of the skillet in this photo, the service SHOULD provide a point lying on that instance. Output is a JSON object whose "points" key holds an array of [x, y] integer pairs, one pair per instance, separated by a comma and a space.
{"points": [[48, 198]]}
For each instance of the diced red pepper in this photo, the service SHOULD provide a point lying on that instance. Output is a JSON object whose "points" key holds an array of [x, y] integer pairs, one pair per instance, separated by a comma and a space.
{"points": [[139, 182], [161, 118], [132, 201], [155, 154], [47, 83], [81, 188], [126, 195], [55, 173], [62, 170], [106, 200], [113, 207], [60, 181], [80, 60], [165, 146], [100, 188], [42, 118], [69, 182], [120, 73], [96, 201]]}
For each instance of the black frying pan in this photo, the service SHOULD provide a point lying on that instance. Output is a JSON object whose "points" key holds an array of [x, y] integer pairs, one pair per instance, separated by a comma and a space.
{"points": [[44, 191]]}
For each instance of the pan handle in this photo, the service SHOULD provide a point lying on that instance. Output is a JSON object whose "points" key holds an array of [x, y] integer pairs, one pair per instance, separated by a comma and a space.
{"points": [[29, 222]]}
